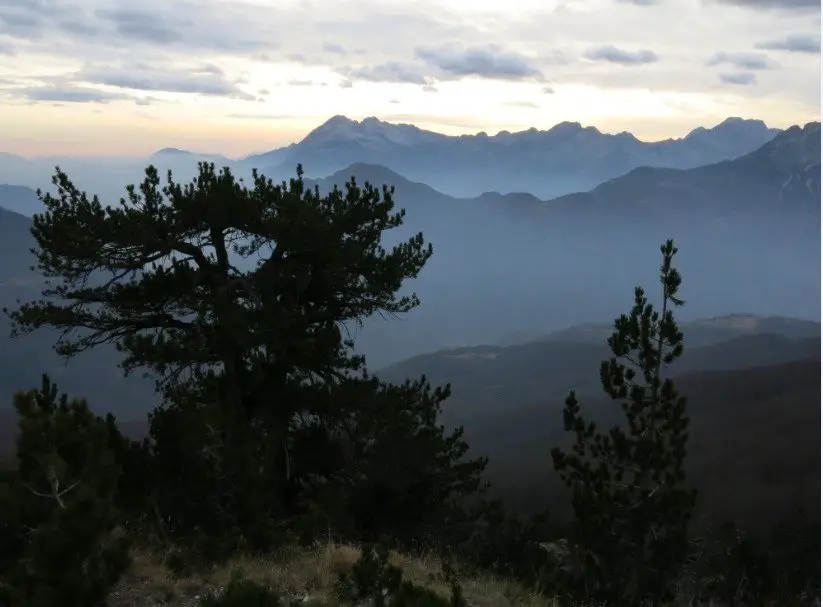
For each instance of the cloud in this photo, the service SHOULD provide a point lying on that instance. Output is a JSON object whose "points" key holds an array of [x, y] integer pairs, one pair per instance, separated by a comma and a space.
{"points": [[738, 78], [251, 28], [206, 80], [797, 43], [522, 104], [486, 62], [69, 94], [334, 49], [38, 5], [141, 25], [612, 54], [84, 28], [548, 90], [6, 49], [742, 61], [265, 116], [77, 28], [391, 71], [207, 27], [639, 2], [24, 25], [789, 5]]}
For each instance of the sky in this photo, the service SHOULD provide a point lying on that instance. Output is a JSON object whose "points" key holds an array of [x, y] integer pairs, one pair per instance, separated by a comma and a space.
{"points": [[125, 78]]}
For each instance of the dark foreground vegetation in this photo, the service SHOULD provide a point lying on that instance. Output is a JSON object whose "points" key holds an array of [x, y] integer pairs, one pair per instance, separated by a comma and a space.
{"points": [[273, 434]]}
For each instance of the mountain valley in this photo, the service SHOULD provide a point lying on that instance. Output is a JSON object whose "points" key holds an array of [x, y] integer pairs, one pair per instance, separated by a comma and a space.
{"points": [[403, 304], [524, 275]]}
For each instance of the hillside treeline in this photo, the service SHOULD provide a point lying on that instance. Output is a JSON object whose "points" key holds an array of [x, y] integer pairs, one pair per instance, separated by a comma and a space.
{"points": [[273, 432]]}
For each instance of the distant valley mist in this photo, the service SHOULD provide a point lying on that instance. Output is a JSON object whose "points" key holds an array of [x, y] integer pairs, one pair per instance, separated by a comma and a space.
{"points": [[747, 228]]}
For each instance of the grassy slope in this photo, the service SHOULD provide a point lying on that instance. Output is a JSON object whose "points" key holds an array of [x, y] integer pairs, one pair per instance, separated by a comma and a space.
{"points": [[304, 573]]}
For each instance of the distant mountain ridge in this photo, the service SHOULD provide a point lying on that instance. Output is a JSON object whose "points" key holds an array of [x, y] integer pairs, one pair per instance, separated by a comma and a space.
{"points": [[179, 154], [739, 389], [754, 340], [792, 156], [568, 157], [787, 165], [782, 174], [18, 199], [565, 158], [698, 333]]}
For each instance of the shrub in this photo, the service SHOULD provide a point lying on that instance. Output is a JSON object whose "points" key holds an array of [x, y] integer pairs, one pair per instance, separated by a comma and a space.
{"points": [[375, 580], [243, 593]]}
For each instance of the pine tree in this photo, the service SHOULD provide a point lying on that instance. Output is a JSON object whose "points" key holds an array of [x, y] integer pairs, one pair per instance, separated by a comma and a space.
{"points": [[234, 298], [215, 279], [402, 475], [631, 509], [67, 550]]}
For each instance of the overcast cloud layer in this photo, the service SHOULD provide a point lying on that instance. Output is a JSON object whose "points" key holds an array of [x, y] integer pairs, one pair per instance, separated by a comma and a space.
{"points": [[88, 76]]}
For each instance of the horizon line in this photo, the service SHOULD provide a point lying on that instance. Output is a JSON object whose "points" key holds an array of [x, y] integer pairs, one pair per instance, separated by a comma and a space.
{"points": [[360, 121]]}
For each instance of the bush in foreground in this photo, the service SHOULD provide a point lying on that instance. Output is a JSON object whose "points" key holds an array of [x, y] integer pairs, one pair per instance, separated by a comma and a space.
{"points": [[62, 503]]}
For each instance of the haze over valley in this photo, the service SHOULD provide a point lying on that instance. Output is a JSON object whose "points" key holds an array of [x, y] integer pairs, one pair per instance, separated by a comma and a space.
{"points": [[512, 272], [506, 263]]}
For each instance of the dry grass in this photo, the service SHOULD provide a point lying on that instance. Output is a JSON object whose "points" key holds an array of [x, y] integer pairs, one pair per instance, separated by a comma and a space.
{"points": [[308, 574]]}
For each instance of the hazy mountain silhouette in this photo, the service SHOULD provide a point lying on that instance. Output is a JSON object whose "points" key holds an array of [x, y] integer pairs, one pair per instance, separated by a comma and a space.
{"points": [[748, 230], [698, 333], [565, 158], [746, 239], [18, 199], [485, 379], [175, 154], [782, 174]]}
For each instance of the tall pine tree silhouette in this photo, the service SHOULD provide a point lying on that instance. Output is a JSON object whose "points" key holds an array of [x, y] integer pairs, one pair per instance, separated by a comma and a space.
{"points": [[631, 507]]}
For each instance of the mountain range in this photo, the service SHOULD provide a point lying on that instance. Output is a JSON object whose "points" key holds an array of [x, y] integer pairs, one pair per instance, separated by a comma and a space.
{"points": [[568, 258], [565, 158], [482, 377], [546, 163]]}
